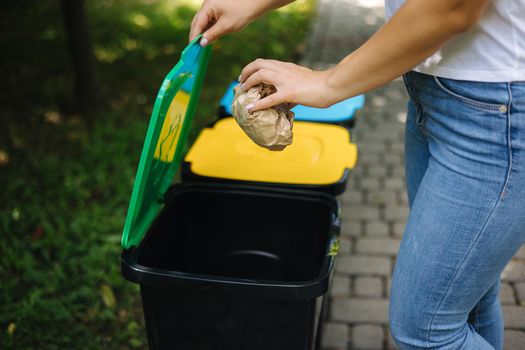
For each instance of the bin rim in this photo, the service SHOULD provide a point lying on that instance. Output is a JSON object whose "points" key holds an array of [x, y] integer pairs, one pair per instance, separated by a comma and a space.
{"points": [[334, 189], [309, 289], [293, 290]]}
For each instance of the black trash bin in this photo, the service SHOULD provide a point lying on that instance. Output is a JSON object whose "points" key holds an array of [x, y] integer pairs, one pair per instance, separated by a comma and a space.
{"points": [[233, 267], [222, 266]]}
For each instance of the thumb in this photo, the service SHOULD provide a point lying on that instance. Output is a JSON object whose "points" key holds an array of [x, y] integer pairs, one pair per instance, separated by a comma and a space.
{"points": [[214, 32], [200, 21], [267, 102]]}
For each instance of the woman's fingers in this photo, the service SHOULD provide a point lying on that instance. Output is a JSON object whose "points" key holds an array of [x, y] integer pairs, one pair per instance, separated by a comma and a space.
{"points": [[294, 84], [269, 101], [219, 17], [255, 66], [216, 31], [199, 23], [270, 72], [249, 69], [270, 64], [264, 75], [211, 25]]}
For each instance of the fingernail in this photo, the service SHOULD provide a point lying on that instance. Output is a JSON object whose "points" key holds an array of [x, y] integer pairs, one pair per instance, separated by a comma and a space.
{"points": [[242, 87], [204, 42], [239, 78], [250, 106]]}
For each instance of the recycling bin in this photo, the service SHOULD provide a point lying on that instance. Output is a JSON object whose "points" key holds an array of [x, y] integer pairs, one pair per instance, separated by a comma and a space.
{"points": [[320, 158], [222, 265], [343, 113], [233, 267]]}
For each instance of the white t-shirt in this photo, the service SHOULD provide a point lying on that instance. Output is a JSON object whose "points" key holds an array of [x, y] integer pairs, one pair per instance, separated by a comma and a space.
{"points": [[492, 51]]}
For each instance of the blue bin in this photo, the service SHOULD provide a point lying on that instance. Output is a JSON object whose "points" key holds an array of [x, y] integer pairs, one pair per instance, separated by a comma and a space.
{"points": [[342, 113]]}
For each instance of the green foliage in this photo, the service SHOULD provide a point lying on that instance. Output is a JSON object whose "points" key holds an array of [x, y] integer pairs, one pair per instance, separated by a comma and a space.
{"points": [[61, 219], [65, 186]]}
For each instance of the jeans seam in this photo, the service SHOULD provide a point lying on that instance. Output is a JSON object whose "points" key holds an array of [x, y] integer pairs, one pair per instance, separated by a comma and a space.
{"points": [[460, 267], [509, 143], [493, 107], [476, 319], [489, 216], [422, 121]]}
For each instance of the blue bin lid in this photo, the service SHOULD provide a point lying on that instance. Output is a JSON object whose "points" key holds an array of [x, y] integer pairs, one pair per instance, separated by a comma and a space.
{"points": [[340, 112]]}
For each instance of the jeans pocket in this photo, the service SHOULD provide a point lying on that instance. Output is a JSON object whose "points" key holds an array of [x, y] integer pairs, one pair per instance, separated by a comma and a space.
{"points": [[412, 93], [470, 93]]}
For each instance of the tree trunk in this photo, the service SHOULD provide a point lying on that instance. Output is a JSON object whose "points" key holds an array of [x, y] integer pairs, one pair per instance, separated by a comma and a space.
{"points": [[79, 45]]}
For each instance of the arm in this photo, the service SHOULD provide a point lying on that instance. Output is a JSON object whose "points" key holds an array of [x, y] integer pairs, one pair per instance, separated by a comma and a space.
{"points": [[415, 32], [219, 17]]}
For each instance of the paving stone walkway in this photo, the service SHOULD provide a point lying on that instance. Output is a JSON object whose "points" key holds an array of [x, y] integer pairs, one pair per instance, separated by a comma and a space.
{"points": [[375, 205]]}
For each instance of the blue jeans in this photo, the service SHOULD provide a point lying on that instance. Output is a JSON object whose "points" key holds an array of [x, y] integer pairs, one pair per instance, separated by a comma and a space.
{"points": [[465, 169]]}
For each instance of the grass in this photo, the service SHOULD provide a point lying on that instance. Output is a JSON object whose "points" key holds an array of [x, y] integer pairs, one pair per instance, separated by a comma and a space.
{"points": [[65, 183]]}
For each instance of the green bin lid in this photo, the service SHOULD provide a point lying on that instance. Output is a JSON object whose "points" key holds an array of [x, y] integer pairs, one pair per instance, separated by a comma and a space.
{"points": [[165, 140]]}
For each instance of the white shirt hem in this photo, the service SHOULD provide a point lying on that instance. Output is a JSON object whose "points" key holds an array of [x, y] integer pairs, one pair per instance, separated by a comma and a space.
{"points": [[494, 76]]}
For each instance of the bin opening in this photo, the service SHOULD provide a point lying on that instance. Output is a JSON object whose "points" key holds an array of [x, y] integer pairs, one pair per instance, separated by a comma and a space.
{"points": [[228, 233]]}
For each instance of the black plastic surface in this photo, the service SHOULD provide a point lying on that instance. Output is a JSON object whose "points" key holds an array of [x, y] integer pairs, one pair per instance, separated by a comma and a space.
{"points": [[334, 189], [235, 267], [203, 320]]}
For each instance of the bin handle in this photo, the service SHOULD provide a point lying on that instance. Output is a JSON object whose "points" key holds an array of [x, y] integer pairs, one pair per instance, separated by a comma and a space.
{"points": [[333, 248], [335, 231]]}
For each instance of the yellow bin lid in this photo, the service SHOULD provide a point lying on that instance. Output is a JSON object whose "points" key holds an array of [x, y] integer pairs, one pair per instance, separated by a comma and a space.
{"points": [[319, 155]]}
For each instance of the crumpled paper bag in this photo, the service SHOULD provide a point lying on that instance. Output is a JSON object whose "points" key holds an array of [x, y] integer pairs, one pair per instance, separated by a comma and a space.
{"points": [[269, 128]]}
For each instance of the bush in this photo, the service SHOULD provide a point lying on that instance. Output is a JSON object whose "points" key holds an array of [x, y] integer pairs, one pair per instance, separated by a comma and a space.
{"points": [[66, 183]]}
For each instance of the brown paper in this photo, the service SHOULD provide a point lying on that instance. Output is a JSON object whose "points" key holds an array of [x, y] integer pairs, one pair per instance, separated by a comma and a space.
{"points": [[269, 128]]}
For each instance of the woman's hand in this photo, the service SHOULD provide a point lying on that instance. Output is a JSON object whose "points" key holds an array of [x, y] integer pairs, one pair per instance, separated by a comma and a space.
{"points": [[294, 84], [219, 17]]}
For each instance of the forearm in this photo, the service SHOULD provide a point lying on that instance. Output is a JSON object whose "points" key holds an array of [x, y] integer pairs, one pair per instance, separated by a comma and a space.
{"points": [[219, 17], [263, 6], [414, 33]]}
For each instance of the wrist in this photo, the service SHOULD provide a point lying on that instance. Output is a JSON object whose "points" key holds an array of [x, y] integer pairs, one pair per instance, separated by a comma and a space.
{"points": [[328, 88], [261, 7]]}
